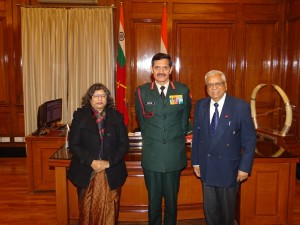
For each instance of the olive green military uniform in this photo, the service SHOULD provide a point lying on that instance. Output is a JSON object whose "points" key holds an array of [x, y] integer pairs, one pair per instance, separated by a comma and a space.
{"points": [[163, 123]]}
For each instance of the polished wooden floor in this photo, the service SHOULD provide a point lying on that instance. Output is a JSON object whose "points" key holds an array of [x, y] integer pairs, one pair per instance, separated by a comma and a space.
{"points": [[20, 207]]}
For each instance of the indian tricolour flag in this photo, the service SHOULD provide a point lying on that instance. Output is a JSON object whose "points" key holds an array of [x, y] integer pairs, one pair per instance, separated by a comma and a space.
{"points": [[121, 71]]}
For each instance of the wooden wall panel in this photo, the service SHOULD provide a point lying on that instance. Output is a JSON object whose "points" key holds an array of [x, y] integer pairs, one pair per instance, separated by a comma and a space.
{"points": [[294, 9], [261, 9], [145, 49], [11, 91], [17, 81], [19, 123], [292, 61], [261, 55], [261, 67], [202, 47], [205, 8], [292, 77], [4, 75], [5, 128], [144, 8]]}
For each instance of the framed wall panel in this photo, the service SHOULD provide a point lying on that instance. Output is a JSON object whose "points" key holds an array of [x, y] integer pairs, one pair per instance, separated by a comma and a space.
{"points": [[4, 62], [201, 47], [261, 57], [6, 121]]}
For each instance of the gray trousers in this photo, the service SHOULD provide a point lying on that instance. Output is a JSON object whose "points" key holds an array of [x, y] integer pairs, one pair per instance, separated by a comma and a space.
{"points": [[219, 204]]}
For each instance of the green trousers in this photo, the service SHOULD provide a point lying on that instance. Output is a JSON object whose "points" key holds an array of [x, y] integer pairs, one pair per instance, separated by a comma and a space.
{"points": [[162, 186]]}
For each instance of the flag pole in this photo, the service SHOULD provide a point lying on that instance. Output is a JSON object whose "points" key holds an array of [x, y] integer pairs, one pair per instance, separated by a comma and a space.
{"points": [[164, 30]]}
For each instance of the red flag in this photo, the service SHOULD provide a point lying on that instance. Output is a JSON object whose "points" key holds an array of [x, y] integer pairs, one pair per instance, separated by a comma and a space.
{"points": [[121, 71], [164, 31]]}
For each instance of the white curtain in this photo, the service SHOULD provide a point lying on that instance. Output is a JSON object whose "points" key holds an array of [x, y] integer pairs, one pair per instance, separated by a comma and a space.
{"points": [[64, 51], [44, 59], [91, 57]]}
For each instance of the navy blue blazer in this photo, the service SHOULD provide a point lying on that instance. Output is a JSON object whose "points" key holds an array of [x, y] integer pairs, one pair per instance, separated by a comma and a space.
{"points": [[230, 149]]}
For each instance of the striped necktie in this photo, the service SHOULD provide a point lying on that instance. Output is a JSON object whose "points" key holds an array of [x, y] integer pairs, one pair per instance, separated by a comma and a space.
{"points": [[214, 121]]}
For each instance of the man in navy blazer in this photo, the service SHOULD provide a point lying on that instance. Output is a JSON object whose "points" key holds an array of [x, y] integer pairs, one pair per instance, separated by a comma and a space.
{"points": [[223, 157]]}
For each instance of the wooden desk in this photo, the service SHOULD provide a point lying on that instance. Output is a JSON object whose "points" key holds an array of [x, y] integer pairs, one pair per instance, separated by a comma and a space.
{"points": [[134, 201], [39, 149], [265, 198]]}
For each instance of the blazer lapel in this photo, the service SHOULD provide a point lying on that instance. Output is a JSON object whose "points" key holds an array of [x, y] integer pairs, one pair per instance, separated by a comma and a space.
{"points": [[206, 118], [224, 117], [224, 121]]}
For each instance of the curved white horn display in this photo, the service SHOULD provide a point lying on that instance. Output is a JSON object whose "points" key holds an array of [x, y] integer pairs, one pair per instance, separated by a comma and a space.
{"points": [[288, 110], [276, 154], [252, 103]]}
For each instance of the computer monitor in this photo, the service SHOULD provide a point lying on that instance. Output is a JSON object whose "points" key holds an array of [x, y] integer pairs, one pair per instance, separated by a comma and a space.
{"points": [[49, 113]]}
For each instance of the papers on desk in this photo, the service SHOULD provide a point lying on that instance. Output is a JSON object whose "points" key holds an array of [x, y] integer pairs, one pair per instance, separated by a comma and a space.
{"points": [[135, 140], [131, 134], [189, 138], [67, 136]]}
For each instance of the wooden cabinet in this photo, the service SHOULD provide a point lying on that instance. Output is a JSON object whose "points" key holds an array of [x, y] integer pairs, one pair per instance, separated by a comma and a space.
{"points": [[39, 150], [267, 198], [11, 85]]}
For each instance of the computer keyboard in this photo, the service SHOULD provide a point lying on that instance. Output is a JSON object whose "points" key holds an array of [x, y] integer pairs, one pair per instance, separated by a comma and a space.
{"points": [[41, 131]]}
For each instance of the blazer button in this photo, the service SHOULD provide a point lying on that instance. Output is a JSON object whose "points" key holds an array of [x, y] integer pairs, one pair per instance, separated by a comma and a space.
{"points": [[164, 129], [164, 142], [208, 155]]}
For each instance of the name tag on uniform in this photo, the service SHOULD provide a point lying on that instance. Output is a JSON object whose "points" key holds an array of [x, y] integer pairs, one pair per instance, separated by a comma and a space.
{"points": [[150, 103], [176, 99]]}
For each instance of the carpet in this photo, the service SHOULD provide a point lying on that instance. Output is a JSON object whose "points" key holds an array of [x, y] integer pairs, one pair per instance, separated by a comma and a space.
{"points": [[12, 152]]}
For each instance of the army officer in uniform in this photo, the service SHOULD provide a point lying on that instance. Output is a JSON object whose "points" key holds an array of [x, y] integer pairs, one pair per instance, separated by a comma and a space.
{"points": [[163, 109]]}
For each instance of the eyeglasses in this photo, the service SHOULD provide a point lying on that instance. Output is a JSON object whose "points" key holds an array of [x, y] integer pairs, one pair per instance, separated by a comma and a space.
{"points": [[217, 85], [100, 96]]}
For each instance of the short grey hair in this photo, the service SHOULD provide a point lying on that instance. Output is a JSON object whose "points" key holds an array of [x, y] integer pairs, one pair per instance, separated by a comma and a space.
{"points": [[215, 72]]}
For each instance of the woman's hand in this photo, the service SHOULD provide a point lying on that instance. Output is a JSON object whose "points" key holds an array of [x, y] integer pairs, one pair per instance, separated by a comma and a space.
{"points": [[99, 165]]}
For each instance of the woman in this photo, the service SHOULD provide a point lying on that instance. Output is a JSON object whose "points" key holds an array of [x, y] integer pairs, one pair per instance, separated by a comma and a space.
{"points": [[99, 141]]}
